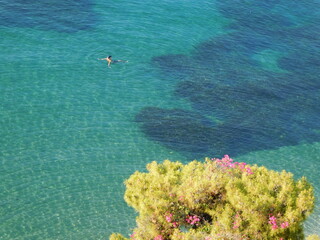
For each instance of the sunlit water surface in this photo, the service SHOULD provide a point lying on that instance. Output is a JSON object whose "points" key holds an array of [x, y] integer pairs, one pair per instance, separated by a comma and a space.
{"points": [[204, 79]]}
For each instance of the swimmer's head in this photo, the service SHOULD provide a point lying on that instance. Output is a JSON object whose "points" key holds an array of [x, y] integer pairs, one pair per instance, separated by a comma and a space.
{"points": [[110, 57]]}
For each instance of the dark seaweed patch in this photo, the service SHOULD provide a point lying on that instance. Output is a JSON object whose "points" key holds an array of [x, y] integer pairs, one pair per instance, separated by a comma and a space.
{"points": [[62, 16], [253, 108], [178, 129], [179, 66]]}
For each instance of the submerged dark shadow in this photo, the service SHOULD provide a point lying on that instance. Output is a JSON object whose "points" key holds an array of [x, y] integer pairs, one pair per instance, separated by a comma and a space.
{"points": [[247, 106], [176, 66], [177, 129], [62, 16]]}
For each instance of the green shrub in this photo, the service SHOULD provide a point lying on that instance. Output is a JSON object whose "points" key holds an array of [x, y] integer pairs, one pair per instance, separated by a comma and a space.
{"points": [[217, 199], [313, 237]]}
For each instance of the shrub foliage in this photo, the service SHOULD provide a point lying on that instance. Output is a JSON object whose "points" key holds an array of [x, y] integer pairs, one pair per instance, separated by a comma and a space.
{"points": [[217, 199]]}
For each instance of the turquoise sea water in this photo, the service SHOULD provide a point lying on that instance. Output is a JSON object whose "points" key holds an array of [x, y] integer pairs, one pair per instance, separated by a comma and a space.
{"points": [[204, 78]]}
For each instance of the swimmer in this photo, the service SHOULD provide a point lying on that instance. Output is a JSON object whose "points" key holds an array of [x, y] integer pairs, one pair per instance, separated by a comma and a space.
{"points": [[110, 60]]}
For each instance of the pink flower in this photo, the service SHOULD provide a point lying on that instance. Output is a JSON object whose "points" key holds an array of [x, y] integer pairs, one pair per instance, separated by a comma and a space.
{"points": [[242, 164], [132, 235], [169, 217], [272, 219], [231, 165], [235, 223], [175, 224], [249, 171], [193, 220], [159, 237], [284, 225], [273, 222], [227, 163]]}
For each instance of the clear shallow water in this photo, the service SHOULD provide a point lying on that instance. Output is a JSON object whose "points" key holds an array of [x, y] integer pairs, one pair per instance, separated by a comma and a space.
{"points": [[203, 79]]}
